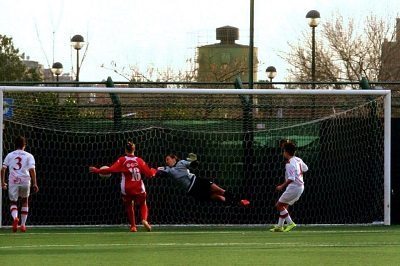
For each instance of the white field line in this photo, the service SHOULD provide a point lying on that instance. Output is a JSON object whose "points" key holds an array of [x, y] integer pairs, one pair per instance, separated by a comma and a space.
{"points": [[192, 232], [221, 244]]}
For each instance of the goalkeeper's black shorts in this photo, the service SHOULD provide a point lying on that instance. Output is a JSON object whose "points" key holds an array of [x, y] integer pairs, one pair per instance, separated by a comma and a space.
{"points": [[201, 189]]}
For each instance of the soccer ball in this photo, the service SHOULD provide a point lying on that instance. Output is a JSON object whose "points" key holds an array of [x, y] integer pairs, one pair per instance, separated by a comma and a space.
{"points": [[104, 176]]}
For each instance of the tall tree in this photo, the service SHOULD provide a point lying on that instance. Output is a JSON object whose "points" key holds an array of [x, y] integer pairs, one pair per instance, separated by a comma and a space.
{"points": [[11, 66], [344, 51]]}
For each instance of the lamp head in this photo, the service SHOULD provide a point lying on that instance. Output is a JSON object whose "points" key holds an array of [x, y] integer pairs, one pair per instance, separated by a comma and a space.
{"points": [[57, 68], [271, 72], [313, 18], [77, 42]]}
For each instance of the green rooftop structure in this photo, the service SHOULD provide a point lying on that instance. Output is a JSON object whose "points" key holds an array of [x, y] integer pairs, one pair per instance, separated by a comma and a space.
{"points": [[225, 60]]}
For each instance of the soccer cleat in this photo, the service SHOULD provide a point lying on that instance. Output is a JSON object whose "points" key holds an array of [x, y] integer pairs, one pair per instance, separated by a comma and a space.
{"points": [[22, 228], [15, 225], [133, 228], [244, 203], [146, 225], [276, 229], [289, 227]]}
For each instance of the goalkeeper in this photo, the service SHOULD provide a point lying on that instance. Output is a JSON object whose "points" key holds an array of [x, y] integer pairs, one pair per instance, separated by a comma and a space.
{"points": [[199, 188]]}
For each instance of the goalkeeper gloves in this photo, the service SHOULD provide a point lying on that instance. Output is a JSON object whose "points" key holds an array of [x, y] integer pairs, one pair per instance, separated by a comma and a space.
{"points": [[192, 157]]}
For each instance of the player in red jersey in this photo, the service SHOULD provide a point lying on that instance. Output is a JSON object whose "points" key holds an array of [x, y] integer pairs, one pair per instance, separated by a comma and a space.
{"points": [[132, 168], [21, 167]]}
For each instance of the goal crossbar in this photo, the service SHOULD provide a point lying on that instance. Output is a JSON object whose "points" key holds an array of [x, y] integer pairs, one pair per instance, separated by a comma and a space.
{"points": [[194, 91]]}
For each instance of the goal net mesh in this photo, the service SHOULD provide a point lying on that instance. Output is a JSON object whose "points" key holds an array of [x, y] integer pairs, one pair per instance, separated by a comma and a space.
{"points": [[236, 139]]}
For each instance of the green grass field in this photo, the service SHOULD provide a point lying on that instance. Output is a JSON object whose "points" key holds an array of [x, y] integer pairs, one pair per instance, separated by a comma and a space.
{"points": [[306, 245]]}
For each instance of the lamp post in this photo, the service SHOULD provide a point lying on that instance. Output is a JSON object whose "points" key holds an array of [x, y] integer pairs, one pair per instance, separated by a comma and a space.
{"points": [[77, 42], [271, 73], [57, 69], [251, 46], [313, 16]]}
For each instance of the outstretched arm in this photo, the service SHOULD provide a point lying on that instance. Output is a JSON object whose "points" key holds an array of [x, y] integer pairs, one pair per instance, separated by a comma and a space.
{"points": [[161, 172], [115, 168], [145, 169]]}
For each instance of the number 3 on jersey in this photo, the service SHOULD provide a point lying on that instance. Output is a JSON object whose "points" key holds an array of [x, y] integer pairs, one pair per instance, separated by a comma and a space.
{"points": [[18, 163]]}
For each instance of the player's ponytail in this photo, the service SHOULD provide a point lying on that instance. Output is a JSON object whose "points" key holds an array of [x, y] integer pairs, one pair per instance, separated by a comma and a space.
{"points": [[130, 147]]}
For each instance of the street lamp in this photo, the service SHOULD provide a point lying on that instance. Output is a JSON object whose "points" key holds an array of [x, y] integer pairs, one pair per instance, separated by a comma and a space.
{"points": [[271, 73], [77, 42], [57, 69], [313, 16]]}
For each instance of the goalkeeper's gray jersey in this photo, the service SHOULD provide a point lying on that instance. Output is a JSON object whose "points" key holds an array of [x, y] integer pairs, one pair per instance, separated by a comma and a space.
{"points": [[181, 174]]}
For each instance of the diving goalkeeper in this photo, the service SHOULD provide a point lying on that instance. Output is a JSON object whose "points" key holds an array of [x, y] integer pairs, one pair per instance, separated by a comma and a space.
{"points": [[199, 188]]}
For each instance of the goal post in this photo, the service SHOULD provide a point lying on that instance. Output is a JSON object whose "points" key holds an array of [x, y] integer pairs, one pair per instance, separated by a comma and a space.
{"points": [[343, 135]]}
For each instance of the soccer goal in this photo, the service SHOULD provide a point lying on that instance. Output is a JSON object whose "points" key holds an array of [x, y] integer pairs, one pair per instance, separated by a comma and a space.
{"points": [[343, 136]]}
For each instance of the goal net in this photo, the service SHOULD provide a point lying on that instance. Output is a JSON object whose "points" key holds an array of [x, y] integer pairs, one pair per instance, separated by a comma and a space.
{"points": [[343, 136]]}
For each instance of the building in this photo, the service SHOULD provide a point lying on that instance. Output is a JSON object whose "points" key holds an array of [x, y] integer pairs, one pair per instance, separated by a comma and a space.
{"points": [[47, 76], [30, 64], [390, 60], [223, 61], [45, 73], [33, 66], [50, 77]]}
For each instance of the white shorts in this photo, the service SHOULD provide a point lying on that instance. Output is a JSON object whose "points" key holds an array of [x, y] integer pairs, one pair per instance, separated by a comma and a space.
{"points": [[18, 190], [291, 194]]}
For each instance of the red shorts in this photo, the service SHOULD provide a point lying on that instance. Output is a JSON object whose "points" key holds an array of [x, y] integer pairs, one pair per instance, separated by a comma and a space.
{"points": [[138, 199]]}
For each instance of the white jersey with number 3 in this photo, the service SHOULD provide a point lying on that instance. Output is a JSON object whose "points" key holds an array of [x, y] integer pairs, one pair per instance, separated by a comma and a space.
{"points": [[18, 163]]}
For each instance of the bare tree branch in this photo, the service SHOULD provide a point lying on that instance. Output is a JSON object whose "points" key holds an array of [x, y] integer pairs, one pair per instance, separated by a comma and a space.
{"points": [[344, 51]]}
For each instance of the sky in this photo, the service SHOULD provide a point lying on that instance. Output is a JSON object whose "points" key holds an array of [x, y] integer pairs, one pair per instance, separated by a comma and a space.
{"points": [[162, 34]]}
